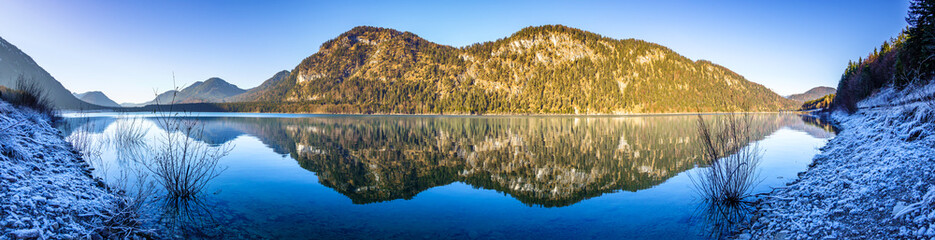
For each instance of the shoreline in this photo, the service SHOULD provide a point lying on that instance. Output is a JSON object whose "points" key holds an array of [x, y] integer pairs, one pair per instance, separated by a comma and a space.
{"points": [[73, 113], [875, 179], [46, 187]]}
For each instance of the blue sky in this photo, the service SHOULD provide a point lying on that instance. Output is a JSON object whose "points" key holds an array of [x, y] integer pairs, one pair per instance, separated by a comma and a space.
{"points": [[128, 49]]}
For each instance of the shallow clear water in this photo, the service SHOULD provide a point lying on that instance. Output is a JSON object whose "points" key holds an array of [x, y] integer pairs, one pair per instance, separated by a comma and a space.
{"points": [[326, 176]]}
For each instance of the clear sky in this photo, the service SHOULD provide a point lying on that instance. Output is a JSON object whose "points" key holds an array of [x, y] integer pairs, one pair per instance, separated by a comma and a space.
{"points": [[128, 49]]}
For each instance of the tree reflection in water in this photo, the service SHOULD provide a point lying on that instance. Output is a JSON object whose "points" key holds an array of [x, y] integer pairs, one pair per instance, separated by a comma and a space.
{"points": [[193, 216], [541, 161], [721, 219]]}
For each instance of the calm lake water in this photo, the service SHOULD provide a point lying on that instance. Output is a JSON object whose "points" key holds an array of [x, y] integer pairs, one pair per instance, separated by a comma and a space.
{"points": [[428, 177]]}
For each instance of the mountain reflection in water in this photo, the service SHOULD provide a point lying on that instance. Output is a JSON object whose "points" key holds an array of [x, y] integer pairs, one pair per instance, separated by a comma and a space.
{"points": [[540, 161]]}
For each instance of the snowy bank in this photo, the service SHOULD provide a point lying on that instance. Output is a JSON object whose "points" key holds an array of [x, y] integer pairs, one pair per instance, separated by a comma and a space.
{"points": [[46, 190], [875, 180]]}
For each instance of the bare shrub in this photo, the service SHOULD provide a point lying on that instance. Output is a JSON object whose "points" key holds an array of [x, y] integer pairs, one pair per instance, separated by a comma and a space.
{"points": [[731, 171], [179, 163], [28, 93], [730, 175], [159, 179], [182, 165]]}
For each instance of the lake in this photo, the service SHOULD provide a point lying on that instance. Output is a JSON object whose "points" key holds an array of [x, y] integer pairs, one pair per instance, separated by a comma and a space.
{"points": [[297, 176]]}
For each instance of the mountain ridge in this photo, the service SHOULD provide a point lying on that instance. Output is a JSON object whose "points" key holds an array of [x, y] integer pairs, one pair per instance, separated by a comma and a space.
{"points": [[14, 63], [97, 98], [543, 69], [812, 94], [267, 84], [212, 90]]}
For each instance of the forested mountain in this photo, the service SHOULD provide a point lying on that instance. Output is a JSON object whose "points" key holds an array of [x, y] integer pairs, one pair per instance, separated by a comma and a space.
{"points": [[213, 90], [823, 102], [97, 98], [546, 69], [812, 94], [16, 65], [903, 61]]}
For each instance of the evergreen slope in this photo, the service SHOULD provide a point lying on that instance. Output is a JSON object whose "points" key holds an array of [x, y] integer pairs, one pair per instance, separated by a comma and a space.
{"points": [[812, 94], [546, 69], [818, 103]]}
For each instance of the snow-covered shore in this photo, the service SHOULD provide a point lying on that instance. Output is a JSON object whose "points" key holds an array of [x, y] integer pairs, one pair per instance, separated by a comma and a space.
{"points": [[875, 180], [46, 190]]}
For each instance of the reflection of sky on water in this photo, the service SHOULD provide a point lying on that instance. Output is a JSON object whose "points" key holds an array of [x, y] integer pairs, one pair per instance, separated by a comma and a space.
{"points": [[282, 182]]}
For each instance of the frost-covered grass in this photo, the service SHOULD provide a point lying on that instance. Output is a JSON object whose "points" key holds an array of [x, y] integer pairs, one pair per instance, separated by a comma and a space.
{"points": [[875, 180], [46, 188]]}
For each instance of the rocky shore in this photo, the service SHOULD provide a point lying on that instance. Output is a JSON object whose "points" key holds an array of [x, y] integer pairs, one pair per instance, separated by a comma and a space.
{"points": [[875, 180], [46, 189]]}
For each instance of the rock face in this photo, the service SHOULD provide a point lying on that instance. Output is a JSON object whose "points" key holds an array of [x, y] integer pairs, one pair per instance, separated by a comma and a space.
{"points": [[546, 69], [15, 64], [213, 90], [97, 98], [812, 94]]}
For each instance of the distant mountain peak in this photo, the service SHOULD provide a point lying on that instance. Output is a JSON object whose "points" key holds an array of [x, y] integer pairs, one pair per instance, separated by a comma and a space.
{"points": [[215, 80], [211, 90], [812, 94], [97, 98]]}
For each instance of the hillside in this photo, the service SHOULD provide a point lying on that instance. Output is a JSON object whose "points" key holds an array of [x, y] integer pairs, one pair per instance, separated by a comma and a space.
{"points": [[823, 102], [546, 69], [14, 64], [97, 98], [812, 94], [213, 90], [266, 85]]}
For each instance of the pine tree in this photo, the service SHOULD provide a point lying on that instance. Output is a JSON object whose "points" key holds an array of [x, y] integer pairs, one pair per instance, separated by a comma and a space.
{"points": [[919, 54]]}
